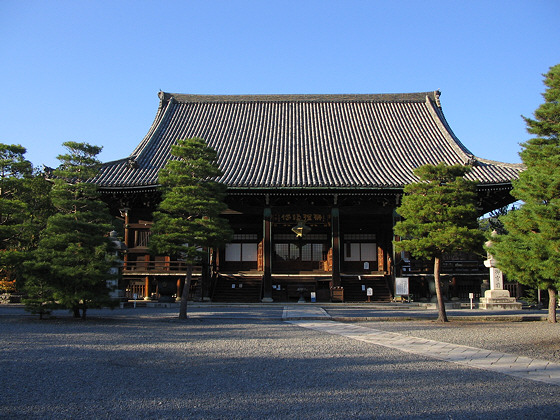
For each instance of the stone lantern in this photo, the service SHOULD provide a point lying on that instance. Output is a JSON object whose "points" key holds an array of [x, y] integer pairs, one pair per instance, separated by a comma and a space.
{"points": [[496, 297], [119, 248]]}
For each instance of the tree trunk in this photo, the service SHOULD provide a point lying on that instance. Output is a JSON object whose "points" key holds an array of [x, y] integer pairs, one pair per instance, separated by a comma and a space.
{"points": [[76, 310], [552, 305], [185, 294], [442, 316]]}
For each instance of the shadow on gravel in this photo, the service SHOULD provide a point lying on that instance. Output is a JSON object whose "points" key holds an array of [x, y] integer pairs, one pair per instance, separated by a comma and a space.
{"points": [[104, 367]]}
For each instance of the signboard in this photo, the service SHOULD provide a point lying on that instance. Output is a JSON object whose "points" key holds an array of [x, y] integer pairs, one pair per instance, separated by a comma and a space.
{"points": [[370, 291], [310, 219], [401, 286]]}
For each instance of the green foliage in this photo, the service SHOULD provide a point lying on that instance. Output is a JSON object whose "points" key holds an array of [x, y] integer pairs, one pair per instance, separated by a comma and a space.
{"points": [[24, 208], [12, 163], [530, 250], [72, 255], [13, 209], [493, 222], [439, 217], [40, 293], [188, 218], [439, 213]]}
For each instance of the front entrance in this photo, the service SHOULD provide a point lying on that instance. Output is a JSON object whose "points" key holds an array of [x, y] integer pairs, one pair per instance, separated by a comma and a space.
{"points": [[294, 255]]}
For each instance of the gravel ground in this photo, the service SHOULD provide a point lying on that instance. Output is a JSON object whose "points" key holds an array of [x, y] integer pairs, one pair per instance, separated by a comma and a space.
{"points": [[203, 368]]}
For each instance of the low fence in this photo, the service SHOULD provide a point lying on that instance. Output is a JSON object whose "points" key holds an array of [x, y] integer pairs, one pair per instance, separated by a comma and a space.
{"points": [[157, 266]]}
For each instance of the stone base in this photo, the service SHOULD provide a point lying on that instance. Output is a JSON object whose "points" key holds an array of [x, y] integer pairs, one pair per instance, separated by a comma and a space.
{"points": [[498, 299], [159, 304], [166, 299], [433, 305], [267, 300]]}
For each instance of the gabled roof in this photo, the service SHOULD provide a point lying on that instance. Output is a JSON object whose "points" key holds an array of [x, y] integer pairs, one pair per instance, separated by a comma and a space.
{"points": [[301, 141]]}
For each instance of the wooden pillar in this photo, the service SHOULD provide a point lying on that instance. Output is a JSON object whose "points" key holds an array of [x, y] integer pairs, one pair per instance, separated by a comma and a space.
{"points": [[147, 279], [147, 287], [206, 276], [395, 258], [381, 256], [267, 255], [124, 213], [335, 222]]}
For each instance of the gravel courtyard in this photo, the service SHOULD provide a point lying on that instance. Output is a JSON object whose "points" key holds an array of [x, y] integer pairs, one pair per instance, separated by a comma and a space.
{"points": [[160, 367]]}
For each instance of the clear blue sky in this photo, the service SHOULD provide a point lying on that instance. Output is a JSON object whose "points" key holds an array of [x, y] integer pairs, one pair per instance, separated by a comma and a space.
{"points": [[90, 70]]}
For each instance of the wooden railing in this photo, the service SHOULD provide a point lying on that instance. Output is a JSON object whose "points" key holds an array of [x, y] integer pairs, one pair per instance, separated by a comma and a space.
{"points": [[447, 267], [157, 266]]}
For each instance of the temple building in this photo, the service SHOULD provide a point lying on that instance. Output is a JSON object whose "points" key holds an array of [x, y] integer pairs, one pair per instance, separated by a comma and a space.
{"points": [[313, 182]]}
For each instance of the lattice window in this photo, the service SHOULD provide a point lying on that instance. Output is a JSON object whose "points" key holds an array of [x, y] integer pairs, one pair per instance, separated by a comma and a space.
{"points": [[359, 237], [360, 251], [142, 238]]}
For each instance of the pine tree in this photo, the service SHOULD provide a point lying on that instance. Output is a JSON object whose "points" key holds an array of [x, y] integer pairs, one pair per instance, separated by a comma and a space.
{"points": [[14, 168], [439, 216], [73, 250], [530, 250], [13, 210], [40, 293], [24, 208], [188, 218]]}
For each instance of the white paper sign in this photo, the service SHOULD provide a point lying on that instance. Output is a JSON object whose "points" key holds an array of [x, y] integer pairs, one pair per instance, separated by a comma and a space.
{"points": [[401, 286]]}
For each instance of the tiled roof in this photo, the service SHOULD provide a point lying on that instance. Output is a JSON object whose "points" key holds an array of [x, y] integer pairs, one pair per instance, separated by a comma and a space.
{"points": [[299, 141]]}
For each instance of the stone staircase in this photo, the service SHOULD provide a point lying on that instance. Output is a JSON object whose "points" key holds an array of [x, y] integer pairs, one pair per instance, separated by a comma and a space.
{"points": [[237, 289], [289, 288], [247, 288], [353, 290]]}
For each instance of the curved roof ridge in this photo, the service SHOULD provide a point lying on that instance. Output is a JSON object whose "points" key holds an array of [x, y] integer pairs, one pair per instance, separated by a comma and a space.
{"points": [[156, 124], [116, 161], [498, 163], [448, 133], [359, 97], [154, 130]]}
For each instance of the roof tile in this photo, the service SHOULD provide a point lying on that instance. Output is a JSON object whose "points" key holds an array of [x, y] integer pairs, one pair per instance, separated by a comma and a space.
{"points": [[295, 141]]}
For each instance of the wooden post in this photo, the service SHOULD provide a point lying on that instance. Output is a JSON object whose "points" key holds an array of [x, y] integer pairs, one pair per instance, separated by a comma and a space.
{"points": [[147, 287], [206, 276], [267, 255], [335, 246], [124, 213], [380, 256]]}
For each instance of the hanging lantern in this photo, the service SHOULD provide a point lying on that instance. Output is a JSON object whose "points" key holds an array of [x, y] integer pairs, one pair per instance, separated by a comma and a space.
{"points": [[301, 229]]}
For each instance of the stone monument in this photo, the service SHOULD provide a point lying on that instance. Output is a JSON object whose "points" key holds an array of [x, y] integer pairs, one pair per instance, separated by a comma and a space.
{"points": [[496, 297]]}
